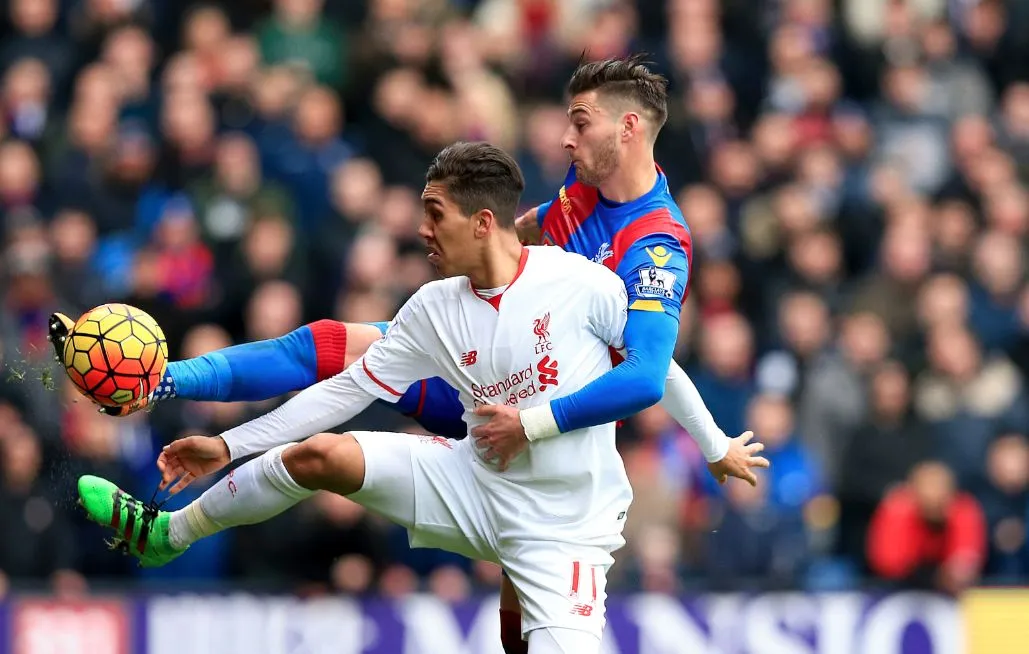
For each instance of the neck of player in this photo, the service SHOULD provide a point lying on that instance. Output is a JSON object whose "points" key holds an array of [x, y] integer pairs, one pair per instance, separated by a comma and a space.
{"points": [[498, 264], [632, 180]]}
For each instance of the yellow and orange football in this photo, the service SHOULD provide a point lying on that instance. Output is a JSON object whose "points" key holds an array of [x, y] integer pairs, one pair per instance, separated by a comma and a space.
{"points": [[115, 354]]}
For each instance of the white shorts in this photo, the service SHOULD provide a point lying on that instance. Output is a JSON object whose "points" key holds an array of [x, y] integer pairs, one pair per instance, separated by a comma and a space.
{"points": [[426, 484]]}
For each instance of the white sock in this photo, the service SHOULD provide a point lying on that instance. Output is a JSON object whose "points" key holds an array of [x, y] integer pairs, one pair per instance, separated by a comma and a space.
{"points": [[252, 493]]}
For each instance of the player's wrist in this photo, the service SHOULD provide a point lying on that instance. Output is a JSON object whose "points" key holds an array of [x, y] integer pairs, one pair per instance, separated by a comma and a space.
{"points": [[227, 441], [539, 422], [718, 449]]}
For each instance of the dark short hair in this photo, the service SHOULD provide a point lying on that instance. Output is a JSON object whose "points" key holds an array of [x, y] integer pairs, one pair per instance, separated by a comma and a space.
{"points": [[627, 78], [479, 176]]}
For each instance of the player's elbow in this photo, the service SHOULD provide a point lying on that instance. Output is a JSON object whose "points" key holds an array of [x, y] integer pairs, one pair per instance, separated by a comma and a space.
{"points": [[651, 389], [646, 380]]}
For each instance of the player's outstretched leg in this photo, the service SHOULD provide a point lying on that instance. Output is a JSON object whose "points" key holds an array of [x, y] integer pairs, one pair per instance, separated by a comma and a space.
{"points": [[139, 529], [256, 491]]}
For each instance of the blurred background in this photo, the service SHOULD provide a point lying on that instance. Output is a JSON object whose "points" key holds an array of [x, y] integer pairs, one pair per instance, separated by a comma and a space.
{"points": [[853, 173]]}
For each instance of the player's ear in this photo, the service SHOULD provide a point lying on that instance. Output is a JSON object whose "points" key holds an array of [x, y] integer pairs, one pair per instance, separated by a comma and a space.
{"points": [[483, 222], [631, 125]]}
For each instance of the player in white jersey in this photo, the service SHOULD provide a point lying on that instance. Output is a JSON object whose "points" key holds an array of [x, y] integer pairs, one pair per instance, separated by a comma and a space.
{"points": [[510, 325]]}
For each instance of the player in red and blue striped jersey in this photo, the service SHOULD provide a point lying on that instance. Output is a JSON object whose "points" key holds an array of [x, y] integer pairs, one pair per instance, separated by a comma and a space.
{"points": [[615, 207]]}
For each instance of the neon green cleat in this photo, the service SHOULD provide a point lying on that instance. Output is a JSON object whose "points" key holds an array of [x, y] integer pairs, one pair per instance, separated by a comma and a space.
{"points": [[140, 530]]}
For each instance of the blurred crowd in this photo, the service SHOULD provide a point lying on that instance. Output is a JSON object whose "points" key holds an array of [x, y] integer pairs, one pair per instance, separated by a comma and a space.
{"points": [[853, 173]]}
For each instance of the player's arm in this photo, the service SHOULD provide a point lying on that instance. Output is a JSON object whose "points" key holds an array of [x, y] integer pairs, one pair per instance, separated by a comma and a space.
{"points": [[683, 403], [649, 334], [384, 372]]}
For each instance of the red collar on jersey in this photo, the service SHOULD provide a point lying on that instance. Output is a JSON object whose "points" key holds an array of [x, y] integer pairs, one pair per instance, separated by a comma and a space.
{"points": [[495, 300]]}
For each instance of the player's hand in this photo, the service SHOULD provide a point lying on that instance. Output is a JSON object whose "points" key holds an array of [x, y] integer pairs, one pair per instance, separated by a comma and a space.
{"points": [[188, 459], [503, 437], [740, 460], [528, 228]]}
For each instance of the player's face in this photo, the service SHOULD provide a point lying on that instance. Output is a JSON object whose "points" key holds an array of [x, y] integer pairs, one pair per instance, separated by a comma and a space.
{"points": [[448, 233], [592, 138]]}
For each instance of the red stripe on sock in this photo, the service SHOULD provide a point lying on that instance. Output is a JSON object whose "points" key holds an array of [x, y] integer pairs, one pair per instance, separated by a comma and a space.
{"points": [[330, 347], [575, 578]]}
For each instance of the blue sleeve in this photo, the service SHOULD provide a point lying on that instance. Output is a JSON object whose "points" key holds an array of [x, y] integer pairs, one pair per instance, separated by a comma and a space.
{"points": [[656, 272], [632, 385], [250, 371], [541, 212]]}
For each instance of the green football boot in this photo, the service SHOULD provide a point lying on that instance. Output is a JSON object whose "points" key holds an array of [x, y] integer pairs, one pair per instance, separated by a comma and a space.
{"points": [[140, 529]]}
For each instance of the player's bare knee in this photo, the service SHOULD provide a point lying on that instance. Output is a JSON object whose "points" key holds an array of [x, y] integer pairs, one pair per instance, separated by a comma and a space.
{"points": [[331, 462], [359, 338]]}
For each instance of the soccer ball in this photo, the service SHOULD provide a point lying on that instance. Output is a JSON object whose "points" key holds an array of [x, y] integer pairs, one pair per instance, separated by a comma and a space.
{"points": [[115, 354]]}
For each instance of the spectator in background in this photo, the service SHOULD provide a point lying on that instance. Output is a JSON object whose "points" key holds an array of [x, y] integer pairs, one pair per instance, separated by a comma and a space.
{"points": [[879, 454], [228, 199], [305, 159], [186, 263], [297, 33], [73, 234], [928, 534], [999, 270], [37, 541], [1005, 501], [35, 37], [834, 402], [794, 480], [967, 397], [724, 374], [754, 541]]}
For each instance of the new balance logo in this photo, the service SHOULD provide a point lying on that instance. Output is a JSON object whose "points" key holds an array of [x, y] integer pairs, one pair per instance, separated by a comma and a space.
{"points": [[547, 369], [585, 609], [436, 440], [469, 358]]}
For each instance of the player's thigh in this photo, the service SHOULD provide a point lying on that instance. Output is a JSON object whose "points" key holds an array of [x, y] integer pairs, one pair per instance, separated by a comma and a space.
{"points": [[559, 585], [555, 640], [372, 468], [426, 485], [388, 476]]}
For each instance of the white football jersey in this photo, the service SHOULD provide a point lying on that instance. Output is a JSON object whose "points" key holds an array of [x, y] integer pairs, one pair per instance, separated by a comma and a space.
{"points": [[547, 335]]}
